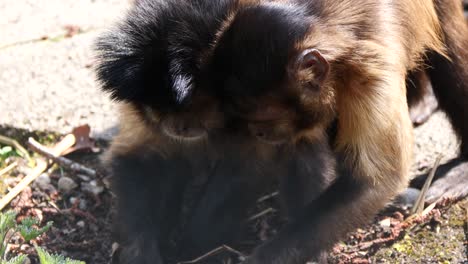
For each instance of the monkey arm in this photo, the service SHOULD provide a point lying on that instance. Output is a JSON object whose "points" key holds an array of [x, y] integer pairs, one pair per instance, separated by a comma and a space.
{"points": [[221, 212], [344, 206], [375, 147], [148, 191]]}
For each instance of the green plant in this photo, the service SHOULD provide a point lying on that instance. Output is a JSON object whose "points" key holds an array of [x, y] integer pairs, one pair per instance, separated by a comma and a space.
{"points": [[7, 151], [7, 229], [16, 260], [28, 229], [47, 258]]}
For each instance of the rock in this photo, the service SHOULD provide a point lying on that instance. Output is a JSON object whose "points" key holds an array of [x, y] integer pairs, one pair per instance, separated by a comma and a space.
{"points": [[66, 184], [92, 187], [407, 198], [26, 260], [385, 223], [42, 181], [82, 204], [83, 177], [80, 224]]}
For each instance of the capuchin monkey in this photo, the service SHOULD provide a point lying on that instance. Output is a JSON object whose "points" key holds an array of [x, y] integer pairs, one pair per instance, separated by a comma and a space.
{"points": [[289, 69], [244, 91], [420, 96], [172, 131]]}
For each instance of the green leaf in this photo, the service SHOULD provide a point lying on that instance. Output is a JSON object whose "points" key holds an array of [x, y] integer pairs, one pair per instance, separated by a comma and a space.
{"points": [[6, 150], [47, 258], [16, 260], [7, 221], [29, 230]]}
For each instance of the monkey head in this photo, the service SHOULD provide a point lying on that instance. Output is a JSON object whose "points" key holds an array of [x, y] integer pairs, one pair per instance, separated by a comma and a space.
{"points": [[279, 87], [151, 61]]}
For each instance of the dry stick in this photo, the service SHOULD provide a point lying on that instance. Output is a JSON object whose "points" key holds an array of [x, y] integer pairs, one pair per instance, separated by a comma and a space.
{"points": [[268, 196], [214, 252], [41, 166], [262, 213], [16, 145], [419, 204], [8, 168], [36, 146]]}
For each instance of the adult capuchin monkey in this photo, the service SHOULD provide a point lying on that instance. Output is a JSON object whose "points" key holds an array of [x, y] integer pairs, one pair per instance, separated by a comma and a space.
{"points": [[244, 90], [288, 69]]}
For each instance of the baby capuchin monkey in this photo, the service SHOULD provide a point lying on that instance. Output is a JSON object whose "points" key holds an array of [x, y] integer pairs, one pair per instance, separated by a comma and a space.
{"points": [[310, 92]]}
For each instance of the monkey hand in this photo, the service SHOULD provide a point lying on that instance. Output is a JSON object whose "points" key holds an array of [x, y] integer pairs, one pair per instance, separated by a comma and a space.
{"points": [[138, 253], [279, 251]]}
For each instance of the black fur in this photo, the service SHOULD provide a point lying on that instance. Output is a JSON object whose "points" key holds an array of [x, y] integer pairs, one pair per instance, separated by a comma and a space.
{"points": [[152, 57], [148, 203], [250, 56]]}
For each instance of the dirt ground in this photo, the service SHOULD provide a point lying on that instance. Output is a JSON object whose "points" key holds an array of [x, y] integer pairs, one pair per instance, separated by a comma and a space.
{"points": [[47, 82], [83, 219]]}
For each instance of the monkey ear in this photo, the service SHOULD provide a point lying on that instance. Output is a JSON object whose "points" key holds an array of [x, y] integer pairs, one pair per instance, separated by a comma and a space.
{"points": [[312, 60]]}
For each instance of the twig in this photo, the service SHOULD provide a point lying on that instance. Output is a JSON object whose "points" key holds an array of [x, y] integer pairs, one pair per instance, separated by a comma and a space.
{"points": [[419, 204], [262, 213], [36, 146], [268, 196], [41, 166], [8, 168], [9, 141], [215, 252]]}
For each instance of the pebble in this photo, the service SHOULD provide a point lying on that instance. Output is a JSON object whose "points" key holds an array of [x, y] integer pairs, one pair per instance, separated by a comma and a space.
{"points": [[407, 198], [66, 184], [83, 177], [80, 224], [43, 181], [26, 260], [92, 187], [82, 205]]}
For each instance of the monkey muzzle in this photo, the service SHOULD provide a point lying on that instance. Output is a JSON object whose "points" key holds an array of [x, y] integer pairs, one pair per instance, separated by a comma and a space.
{"points": [[274, 134], [183, 129]]}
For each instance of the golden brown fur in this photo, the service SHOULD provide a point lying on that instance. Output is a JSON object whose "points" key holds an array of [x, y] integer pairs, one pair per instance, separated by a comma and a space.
{"points": [[257, 89]]}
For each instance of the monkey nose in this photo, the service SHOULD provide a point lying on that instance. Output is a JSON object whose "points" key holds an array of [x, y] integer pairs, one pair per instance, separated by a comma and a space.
{"points": [[181, 128], [257, 131]]}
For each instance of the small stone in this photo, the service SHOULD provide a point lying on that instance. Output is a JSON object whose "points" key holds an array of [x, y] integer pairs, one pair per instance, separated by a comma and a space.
{"points": [[83, 177], [73, 200], [66, 184], [80, 224], [26, 260], [385, 223], [43, 181], [407, 198], [92, 187], [82, 204]]}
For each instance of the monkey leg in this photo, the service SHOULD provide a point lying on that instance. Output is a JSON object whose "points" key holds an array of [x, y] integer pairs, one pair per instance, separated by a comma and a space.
{"points": [[450, 77], [374, 150], [149, 190], [310, 171], [221, 212], [420, 97]]}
